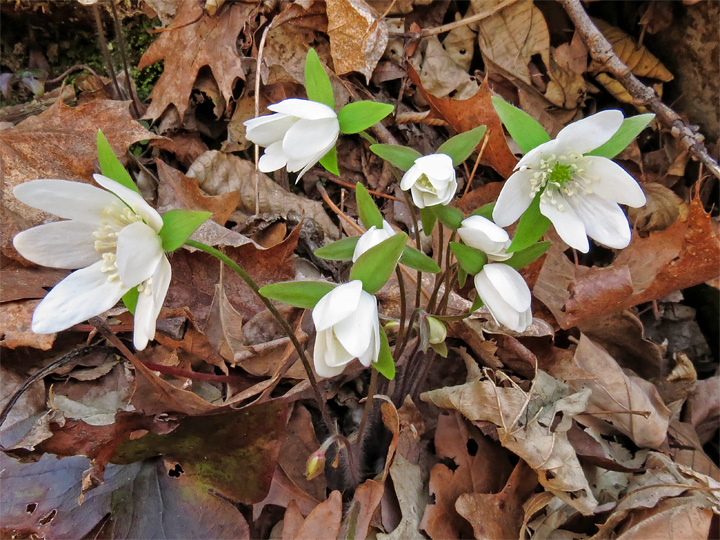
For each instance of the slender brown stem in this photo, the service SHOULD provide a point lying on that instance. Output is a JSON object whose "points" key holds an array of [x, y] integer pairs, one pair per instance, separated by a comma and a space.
{"points": [[105, 49], [403, 309], [372, 389], [235, 267], [121, 42]]}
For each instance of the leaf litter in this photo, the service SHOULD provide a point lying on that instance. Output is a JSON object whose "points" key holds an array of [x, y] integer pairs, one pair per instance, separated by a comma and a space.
{"points": [[582, 427]]}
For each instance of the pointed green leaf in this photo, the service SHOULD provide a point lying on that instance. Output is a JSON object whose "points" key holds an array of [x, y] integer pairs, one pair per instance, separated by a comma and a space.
{"points": [[485, 211], [440, 348], [178, 225], [449, 216], [385, 363], [329, 161], [110, 165], [400, 156], [302, 294], [130, 299], [630, 128], [531, 227], [462, 276], [461, 146], [526, 131], [358, 116], [369, 213], [522, 258], [317, 82], [376, 265], [341, 250], [470, 259], [477, 304], [414, 258], [428, 219]]}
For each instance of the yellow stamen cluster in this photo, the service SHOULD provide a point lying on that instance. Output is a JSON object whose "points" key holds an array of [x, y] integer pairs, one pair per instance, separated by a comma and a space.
{"points": [[559, 177], [106, 237]]}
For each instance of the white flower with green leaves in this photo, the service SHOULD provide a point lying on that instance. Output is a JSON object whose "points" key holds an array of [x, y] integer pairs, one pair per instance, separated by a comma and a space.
{"points": [[347, 324], [371, 238], [110, 237], [431, 180], [578, 192], [505, 293], [481, 233]]}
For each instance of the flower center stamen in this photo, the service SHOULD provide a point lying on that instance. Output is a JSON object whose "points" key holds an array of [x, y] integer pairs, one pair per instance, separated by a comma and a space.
{"points": [[561, 176], [106, 237]]}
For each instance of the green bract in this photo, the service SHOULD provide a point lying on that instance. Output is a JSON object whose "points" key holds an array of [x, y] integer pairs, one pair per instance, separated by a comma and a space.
{"points": [[385, 363], [340, 250], [461, 146], [178, 225], [522, 258], [526, 131], [110, 165], [375, 266], [400, 156], [631, 128], [317, 82], [358, 116], [470, 259], [531, 227], [302, 294], [369, 213]]}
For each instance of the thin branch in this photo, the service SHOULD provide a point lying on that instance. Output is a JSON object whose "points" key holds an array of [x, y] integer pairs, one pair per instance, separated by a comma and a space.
{"points": [[601, 51]]}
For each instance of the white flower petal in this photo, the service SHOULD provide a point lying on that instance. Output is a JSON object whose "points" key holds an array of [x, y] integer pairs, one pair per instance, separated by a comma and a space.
{"points": [[436, 166], [336, 305], [614, 183], [567, 224], [62, 244], [355, 332], [410, 177], [149, 305], [303, 108], [314, 159], [133, 199], [502, 312], [273, 158], [319, 355], [605, 222], [533, 157], [515, 197], [335, 353], [371, 238], [591, 132], [83, 294], [308, 138], [510, 284], [65, 199], [268, 129], [139, 251], [481, 233]]}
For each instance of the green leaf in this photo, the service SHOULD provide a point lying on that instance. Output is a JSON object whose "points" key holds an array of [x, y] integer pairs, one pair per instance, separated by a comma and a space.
{"points": [[531, 227], [385, 363], [358, 116], [400, 156], [440, 348], [470, 259], [526, 131], [485, 211], [178, 225], [329, 161], [449, 216], [428, 219], [630, 128], [369, 213], [461, 277], [317, 82], [522, 258], [376, 265], [130, 299], [477, 304], [302, 294], [110, 165], [341, 250], [414, 258], [461, 146]]}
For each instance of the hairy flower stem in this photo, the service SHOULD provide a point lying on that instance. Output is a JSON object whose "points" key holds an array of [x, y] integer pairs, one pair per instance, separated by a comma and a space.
{"points": [[403, 310], [372, 389], [235, 267]]}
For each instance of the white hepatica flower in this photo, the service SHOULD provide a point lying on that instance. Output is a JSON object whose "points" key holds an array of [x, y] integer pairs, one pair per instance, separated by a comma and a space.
{"points": [[505, 293], [346, 320], [431, 180], [297, 135], [371, 238], [111, 236], [481, 233], [579, 194]]}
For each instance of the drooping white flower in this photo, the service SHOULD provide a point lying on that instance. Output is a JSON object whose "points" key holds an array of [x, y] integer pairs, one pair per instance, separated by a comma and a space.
{"points": [[431, 180], [346, 320], [297, 135], [580, 194], [111, 236], [505, 293], [481, 233], [371, 238]]}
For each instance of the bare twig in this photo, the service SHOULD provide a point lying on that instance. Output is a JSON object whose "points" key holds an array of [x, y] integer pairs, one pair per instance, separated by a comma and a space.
{"points": [[105, 49], [601, 51], [122, 46]]}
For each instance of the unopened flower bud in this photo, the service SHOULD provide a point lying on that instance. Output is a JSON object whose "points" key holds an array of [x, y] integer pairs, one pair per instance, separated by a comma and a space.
{"points": [[438, 332], [315, 464]]}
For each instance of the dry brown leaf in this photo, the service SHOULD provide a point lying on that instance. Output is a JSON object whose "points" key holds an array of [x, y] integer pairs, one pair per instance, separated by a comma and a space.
{"points": [[613, 393], [359, 514], [282, 492], [176, 190], [358, 36], [467, 114], [292, 521], [23, 282], [58, 143], [638, 58], [566, 88], [187, 147], [324, 520], [499, 515], [410, 491], [663, 208], [512, 36], [525, 425], [298, 445], [218, 173], [686, 449], [15, 331], [224, 326], [441, 76], [683, 255], [196, 40]]}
